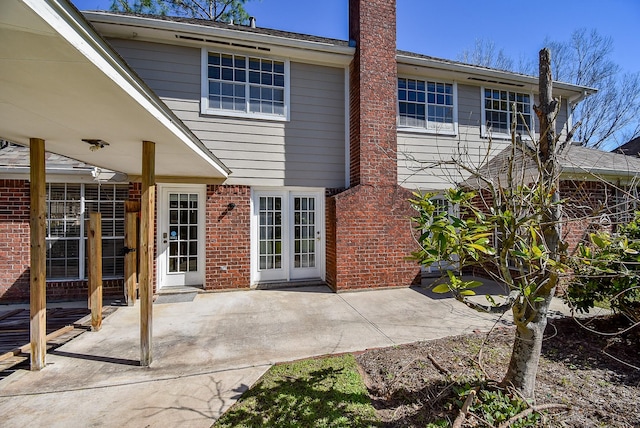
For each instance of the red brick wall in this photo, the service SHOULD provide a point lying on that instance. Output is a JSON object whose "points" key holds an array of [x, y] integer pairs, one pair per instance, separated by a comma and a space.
{"points": [[372, 100], [228, 237], [369, 233], [14, 240], [373, 237], [589, 207], [15, 250]]}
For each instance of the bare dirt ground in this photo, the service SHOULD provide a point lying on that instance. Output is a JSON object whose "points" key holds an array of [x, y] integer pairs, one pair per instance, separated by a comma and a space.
{"points": [[414, 385]]}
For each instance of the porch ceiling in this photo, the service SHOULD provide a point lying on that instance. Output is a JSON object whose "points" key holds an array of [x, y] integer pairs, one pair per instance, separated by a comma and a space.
{"points": [[61, 82]]}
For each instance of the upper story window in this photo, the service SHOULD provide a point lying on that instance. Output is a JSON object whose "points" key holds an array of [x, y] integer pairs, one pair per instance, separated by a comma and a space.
{"points": [[427, 105], [497, 111], [246, 86]]}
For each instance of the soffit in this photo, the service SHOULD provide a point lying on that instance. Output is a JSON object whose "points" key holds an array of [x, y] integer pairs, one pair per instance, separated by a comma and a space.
{"points": [[60, 81]]}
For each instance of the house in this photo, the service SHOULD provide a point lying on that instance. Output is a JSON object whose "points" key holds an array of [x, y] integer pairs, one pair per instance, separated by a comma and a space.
{"points": [[599, 189], [283, 158], [630, 148]]}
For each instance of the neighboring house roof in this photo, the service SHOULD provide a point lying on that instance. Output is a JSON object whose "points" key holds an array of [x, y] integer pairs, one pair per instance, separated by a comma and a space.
{"points": [[14, 161], [576, 163], [630, 148]]}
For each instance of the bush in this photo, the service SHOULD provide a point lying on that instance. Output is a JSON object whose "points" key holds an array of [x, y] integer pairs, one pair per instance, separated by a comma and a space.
{"points": [[607, 269]]}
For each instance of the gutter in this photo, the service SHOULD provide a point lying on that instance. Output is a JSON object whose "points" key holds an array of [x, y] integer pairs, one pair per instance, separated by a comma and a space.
{"points": [[483, 71], [225, 33], [581, 96]]}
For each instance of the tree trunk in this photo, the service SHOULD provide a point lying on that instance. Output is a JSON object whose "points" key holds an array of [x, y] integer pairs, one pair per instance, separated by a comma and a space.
{"points": [[527, 347], [530, 316]]}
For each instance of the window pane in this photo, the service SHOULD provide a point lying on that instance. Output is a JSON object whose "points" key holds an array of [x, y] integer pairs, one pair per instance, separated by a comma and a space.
{"points": [[214, 59], [264, 80], [227, 60]]}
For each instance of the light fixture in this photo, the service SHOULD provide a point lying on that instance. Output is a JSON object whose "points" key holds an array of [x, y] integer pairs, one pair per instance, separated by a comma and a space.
{"points": [[95, 144]]}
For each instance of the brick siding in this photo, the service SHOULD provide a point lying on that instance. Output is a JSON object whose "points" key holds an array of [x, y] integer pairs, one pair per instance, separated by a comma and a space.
{"points": [[15, 250], [228, 237], [369, 233], [14, 240]]}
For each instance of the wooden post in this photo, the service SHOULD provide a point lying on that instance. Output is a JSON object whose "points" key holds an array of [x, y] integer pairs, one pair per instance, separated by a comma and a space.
{"points": [[94, 240], [130, 258], [146, 250], [38, 271]]}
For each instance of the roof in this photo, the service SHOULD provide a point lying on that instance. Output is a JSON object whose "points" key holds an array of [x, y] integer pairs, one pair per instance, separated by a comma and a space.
{"points": [[576, 163], [492, 76], [192, 29], [630, 148], [227, 26], [63, 83], [202, 32]]}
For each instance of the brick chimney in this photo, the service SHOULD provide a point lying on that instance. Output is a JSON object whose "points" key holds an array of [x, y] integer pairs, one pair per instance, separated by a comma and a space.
{"points": [[372, 98], [369, 232]]}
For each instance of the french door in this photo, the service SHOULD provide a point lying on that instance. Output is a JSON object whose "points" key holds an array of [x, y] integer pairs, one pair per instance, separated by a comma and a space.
{"points": [[181, 218], [287, 238]]}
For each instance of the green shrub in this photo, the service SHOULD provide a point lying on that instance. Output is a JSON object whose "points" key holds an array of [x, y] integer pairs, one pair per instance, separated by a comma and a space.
{"points": [[607, 269]]}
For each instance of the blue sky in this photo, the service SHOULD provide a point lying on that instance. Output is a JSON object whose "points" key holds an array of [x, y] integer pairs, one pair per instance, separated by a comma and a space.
{"points": [[444, 28]]}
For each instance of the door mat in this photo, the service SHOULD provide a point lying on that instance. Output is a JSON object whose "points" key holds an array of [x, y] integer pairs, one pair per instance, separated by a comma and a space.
{"points": [[175, 298]]}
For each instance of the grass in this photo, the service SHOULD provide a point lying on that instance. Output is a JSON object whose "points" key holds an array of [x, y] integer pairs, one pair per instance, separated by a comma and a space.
{"points": [[326, 392]]}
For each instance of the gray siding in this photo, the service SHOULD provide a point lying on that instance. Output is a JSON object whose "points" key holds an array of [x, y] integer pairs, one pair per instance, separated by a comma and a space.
{"points": [[308, 150], [424, 160]]}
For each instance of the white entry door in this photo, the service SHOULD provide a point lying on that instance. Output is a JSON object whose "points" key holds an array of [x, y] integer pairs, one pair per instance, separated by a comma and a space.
{"points": [[288, 235], [181, 218]]}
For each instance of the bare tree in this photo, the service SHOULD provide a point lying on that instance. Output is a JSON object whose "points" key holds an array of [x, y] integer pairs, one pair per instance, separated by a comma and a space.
{"points": [[509, 226], [610, 117], [213, 10], [486, 54]]}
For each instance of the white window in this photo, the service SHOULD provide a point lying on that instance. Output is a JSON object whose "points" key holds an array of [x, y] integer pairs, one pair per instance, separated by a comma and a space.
{"points": [[497, 111], [68, 208], [427, 105], [245, 86]]}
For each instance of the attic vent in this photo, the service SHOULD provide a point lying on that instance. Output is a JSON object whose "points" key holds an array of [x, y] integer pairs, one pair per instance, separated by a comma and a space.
{"points": [[479, 79], [219, 42]]}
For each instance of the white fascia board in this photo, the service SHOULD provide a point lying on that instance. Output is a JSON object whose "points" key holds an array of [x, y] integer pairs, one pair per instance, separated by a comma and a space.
{"points": [[504, 76], [72, 26], [157, 29]]}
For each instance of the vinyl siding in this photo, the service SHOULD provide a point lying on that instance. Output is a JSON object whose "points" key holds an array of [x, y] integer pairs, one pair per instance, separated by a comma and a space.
{"points": [[424, 160], [306, 150]]}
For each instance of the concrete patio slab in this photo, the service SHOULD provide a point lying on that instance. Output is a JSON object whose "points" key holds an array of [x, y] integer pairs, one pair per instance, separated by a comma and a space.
{"points": [[208, 351]]}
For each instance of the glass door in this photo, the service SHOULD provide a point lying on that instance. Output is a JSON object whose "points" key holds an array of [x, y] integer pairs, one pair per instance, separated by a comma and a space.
{"points": [[287, 242], [181, 228]]}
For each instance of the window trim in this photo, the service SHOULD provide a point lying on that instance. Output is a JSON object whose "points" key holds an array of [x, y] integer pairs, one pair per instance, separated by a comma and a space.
{"points": [[204, 89], [484, 132], [425, 129]]}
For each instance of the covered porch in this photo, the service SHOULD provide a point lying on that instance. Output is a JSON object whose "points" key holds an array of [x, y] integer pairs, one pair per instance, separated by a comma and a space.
{"points": [[65, 90]]}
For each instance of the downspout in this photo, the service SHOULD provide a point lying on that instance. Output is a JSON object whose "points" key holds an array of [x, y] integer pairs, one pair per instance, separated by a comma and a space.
{"points": [[571, 104]]}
